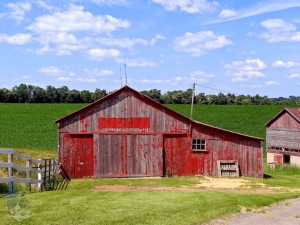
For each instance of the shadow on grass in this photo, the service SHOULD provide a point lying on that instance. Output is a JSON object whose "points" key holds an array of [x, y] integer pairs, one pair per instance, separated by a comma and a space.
{"points": [[267, 176]]}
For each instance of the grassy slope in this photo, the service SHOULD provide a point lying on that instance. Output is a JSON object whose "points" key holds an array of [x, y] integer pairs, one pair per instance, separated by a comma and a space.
{"points": [[81, 205]]}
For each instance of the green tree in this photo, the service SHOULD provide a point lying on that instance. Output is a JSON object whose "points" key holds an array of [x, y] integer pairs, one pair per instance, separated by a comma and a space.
{"points": [[98, 93], [86, 96]]}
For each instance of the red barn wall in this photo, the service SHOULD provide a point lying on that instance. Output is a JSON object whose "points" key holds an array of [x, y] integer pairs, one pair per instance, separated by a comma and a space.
{"points": [[130, 135], [220, 145]]}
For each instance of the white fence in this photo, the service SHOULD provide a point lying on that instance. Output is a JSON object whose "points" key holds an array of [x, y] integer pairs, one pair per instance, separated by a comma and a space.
{"points": [[12, 168]]}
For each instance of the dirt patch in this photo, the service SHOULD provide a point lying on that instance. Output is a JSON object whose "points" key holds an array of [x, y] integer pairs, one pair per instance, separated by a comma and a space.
{"points": [[203, 185], [125, 188], [211, 182]]}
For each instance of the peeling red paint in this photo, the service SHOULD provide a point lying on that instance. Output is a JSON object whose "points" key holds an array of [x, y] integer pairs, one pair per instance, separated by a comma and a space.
{"points": [[138, 122]]}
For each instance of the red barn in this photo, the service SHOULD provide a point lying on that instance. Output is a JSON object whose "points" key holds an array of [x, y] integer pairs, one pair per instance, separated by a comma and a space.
{"points": [[127, 134], [283, 137]]}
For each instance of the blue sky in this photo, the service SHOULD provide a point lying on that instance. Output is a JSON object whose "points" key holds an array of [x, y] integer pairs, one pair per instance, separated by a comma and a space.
{"points": [[242, 47]]}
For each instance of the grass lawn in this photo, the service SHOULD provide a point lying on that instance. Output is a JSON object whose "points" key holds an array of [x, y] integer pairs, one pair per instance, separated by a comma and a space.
{"points": [[80, 204]]}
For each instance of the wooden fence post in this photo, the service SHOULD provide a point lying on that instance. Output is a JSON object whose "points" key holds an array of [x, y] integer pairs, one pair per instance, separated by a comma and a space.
{"points": [[40, 174], [28, 173], [10, 159]]}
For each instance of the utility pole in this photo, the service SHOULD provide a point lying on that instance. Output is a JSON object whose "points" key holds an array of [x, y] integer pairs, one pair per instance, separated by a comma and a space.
{"points": [[192, 103]]}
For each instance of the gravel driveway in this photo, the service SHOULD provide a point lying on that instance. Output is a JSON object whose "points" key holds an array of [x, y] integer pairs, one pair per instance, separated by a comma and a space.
{"points": [[286, 212]]}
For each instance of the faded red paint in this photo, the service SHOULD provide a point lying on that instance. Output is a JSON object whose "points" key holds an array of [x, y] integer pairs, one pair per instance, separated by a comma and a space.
{"points": [[278, 158], [127, 134], [140, 122], [78, 155]]}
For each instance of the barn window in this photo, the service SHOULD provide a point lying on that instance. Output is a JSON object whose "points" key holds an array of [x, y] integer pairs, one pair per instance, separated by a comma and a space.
{"points": [[199, 145]]}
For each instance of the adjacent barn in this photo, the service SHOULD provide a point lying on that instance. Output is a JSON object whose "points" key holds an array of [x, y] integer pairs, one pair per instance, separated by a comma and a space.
{"points": [[127, 134], [283, 137]]}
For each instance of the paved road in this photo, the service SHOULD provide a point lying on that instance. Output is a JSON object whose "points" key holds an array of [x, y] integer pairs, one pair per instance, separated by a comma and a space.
{"points": [[284, 213]]}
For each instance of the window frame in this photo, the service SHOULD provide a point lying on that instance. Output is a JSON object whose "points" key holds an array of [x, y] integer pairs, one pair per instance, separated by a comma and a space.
{"points": [[199, 146]]}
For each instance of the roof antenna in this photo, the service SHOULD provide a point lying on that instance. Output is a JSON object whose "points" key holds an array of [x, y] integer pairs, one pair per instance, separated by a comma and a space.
{"points": [[125, 71], [121, 76]]}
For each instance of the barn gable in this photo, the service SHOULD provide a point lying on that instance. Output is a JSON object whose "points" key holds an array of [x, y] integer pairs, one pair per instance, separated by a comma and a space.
{"points": [[286, 118], [127, 134], [283, 137]]}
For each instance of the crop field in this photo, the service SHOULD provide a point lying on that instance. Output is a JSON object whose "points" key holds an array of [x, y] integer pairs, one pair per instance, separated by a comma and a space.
{"points": [[31, 126]]}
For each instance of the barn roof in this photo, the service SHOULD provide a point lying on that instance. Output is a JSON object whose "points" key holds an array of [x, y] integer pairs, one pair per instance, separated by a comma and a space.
{"points": [[293, 112], [110, 95]]}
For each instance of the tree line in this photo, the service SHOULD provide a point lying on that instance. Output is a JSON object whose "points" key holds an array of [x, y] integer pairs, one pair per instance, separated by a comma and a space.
{"points": [[34, 94]]}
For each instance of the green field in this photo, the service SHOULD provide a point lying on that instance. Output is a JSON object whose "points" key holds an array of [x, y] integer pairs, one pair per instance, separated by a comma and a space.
{"points": [[31, 126]]}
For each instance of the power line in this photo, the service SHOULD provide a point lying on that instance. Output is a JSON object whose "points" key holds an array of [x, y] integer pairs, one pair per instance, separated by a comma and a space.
{"points": [[216, 89]]}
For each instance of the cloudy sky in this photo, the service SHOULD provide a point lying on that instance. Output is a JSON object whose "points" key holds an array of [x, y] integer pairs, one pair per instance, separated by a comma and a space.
{"points": [[243, 47]]}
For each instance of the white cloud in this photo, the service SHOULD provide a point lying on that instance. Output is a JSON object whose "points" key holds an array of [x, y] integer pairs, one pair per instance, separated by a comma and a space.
{"points": [[127, 42], [17, 39], [86, 80], [149, 81], [278, 30], [62, 75], [110, 2], [227, 13], [75, 19], [138, 62], [245, 70], [98, 72], [199, 43], [63, 78], [18, 10], [189, 6], [52, 71], [44, 5], [200, 76], [261, 8], [99, 53], [271, 82], [62, 43], [294, 75], [282, 64]]}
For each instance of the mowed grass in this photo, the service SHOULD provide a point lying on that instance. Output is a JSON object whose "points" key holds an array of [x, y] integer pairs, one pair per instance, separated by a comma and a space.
{"points": [[31, 126], [80, 204]]}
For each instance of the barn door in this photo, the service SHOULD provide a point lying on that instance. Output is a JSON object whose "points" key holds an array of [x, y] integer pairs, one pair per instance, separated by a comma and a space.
{"points": [[130, 155], [145, 155], [78, 156]]}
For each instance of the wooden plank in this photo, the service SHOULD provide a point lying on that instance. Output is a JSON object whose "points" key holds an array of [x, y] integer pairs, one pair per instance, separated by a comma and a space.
{"points": [[22, 156], [6, 165], [6, 180], [7, 151], [22, 168]]}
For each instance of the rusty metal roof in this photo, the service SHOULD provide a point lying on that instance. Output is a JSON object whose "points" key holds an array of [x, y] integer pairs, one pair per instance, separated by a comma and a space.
{"points": [[293, 112], [154, 102]]}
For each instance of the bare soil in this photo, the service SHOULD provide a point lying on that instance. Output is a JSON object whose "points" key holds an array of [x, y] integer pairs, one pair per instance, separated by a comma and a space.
{"points": [[205, 184]]}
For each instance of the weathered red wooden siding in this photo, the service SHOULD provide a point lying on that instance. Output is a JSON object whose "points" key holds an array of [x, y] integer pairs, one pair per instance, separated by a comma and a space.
{"points": [[125, 107], [77, 155], [220, 145], [127, 155], [131, 135], [283, 133], [285, 121]]}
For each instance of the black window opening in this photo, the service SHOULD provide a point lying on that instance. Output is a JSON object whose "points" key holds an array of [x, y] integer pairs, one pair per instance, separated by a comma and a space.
{"points": [[286, 159], [199, 145]]}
